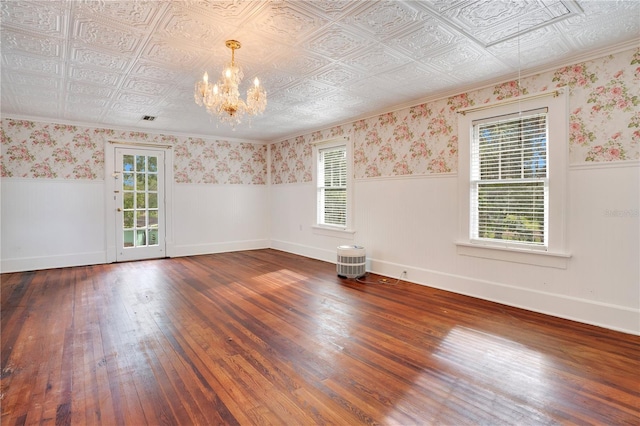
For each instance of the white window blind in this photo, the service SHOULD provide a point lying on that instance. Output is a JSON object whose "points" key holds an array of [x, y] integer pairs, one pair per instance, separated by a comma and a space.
{"points": [[509, 180], [332, 186]]}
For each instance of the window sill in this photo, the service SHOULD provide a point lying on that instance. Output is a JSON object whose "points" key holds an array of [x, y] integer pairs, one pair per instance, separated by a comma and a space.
{"points": [[333, 232], [515, 255]]}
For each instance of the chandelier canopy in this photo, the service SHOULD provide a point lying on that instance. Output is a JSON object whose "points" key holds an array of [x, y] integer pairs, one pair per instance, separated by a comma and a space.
{"points": [[223, 100]]}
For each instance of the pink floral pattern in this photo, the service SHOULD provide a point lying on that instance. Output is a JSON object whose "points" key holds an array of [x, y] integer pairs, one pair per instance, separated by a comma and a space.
{"points": [[59, 151], [574, 76], [20, 153], [613, 96], [291, 159], [201, 161], [83, 171], [509, 89], [610, 151], [50, 151], [419, 111], [43, 170], [636, 61], [578, 131], [401, 168], [635, 124], [460, 102]]}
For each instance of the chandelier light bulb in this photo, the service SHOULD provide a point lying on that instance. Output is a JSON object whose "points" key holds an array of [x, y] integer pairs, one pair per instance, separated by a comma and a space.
{"points": [[222, 100]]}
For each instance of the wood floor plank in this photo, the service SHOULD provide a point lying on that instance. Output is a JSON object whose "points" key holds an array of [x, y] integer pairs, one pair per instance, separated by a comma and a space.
{"points": [[268, 337]]}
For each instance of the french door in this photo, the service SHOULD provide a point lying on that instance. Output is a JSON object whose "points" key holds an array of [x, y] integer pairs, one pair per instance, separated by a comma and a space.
{"points": [[139, 199]]}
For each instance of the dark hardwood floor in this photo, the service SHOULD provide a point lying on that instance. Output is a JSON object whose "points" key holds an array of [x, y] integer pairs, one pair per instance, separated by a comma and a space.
{"points": [[266, 337]]}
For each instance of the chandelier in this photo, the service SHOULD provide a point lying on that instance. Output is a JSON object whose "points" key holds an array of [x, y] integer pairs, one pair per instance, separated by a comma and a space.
{"points": [[223, 98]]}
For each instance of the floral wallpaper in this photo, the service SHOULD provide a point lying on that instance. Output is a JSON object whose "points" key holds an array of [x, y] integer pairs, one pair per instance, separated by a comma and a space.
{"points": [[199, 161], [56, 151], [604, 126], [604, 99], [50, 151], [291, 159]]}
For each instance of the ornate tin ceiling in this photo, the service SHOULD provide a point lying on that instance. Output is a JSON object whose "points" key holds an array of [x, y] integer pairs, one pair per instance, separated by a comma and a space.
{"points": [[323, 62]]}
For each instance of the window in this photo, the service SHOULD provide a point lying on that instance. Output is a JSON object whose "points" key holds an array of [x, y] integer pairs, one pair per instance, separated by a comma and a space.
{"points": [[509, 183], [332, 186], [512, 179]]}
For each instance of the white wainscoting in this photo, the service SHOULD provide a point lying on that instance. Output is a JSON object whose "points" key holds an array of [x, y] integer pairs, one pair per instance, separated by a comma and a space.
{"points": [[412, 224], [57, 223], [219, 218], [51, 223]]}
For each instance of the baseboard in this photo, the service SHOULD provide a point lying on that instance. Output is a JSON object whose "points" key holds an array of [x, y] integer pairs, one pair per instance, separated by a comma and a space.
{"points": [[198, 249], [306, 251], [50, 262], [96, 258], [614, 317]]}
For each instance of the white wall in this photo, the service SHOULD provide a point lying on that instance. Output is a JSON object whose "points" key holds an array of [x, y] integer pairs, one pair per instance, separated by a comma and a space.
{"points": [[219, 218], [292, 216], [57, 223], [412, 224], [51, 223]]}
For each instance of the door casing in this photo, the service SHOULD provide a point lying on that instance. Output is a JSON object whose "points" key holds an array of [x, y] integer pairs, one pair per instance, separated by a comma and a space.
{"points": [[110, 201]]}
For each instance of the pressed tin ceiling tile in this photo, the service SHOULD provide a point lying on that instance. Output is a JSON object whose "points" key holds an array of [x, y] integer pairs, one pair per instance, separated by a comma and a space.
{"points": [[337, 42], [332, 9], [34, 44], [85, 89], [21, 62], [89, 57], [383, 18], [137, 14], [287, 21], [492, 22], [147, 87], [424, 38], [105, 35], [337, 75], [42, 17]]}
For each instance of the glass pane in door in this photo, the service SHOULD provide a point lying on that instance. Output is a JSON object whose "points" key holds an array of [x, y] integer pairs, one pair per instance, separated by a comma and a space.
{"points": [[140, 200]]}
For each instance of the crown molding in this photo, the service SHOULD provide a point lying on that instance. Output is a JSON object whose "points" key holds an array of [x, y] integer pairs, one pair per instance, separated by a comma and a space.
{"points": [[128, 129]]}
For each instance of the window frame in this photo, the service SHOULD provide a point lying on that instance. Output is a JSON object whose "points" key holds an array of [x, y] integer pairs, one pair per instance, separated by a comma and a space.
{"points": [[504, 159], [555, 252], [318, 147]]}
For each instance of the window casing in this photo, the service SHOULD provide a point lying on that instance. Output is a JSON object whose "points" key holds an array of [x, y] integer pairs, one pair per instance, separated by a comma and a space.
{"points": [[512, 185]]}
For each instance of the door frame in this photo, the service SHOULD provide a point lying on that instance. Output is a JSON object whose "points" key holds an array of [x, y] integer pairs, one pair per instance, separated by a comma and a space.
{"points": [[110, 186]]}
